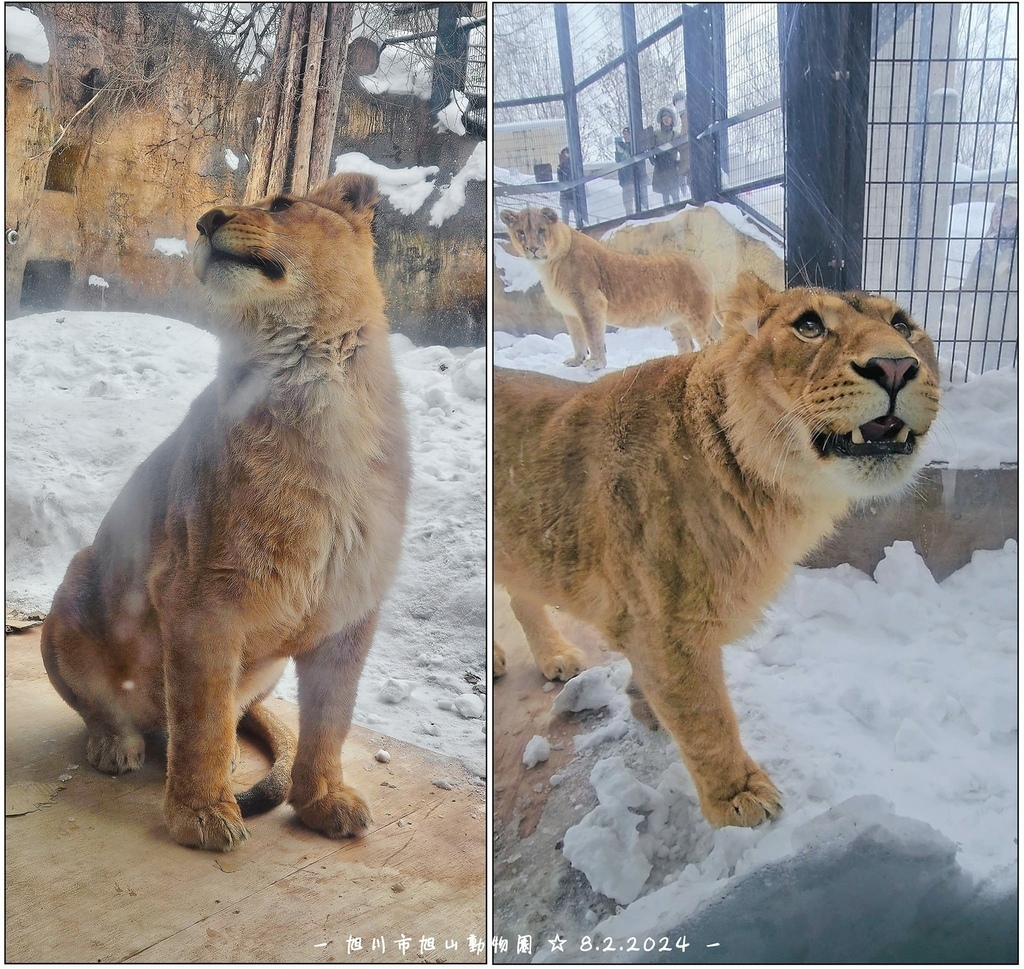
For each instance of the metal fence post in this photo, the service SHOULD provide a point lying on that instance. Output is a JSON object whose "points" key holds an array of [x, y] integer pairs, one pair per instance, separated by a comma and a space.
{"points": [[451, 54], [634, 101], [572, 117], [705, 96], [825, 108]]}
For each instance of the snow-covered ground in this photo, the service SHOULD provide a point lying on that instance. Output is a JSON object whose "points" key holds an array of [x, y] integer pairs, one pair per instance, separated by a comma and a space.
{"points": [[91, 394], [885, 709]]}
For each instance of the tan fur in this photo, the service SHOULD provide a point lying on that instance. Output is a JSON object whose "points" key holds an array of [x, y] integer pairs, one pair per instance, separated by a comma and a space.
{"points": [[592, 285], [667, 503], [267, 525]]}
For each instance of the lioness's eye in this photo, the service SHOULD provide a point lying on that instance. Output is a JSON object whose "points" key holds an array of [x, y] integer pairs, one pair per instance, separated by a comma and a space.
{"points": [[809, 325], [521, 234], [902, 325], [540, 233], [280, 204]]}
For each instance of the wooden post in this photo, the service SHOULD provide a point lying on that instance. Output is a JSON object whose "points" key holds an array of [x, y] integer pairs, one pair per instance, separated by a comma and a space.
{"points": [[339, 25], [310, 96], [283, 138]]}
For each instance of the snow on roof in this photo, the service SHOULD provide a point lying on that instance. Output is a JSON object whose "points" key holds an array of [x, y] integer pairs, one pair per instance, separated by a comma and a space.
{"points": [[25, 35]]}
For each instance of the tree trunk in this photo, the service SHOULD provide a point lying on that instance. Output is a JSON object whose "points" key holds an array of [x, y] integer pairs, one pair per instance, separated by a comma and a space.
{"points": [[292, 150], [262, 151], [310, 92], [339, 25]]}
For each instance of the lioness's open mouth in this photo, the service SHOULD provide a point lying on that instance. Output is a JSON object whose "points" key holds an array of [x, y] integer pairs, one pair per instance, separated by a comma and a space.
{"points": [[884, 435], [270, 268]]}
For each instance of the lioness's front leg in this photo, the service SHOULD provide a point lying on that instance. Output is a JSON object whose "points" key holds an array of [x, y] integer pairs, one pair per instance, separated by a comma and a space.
{"points": [[557, 659], [200, 672], [328, 677], [686, 690], [594, 317], [579, 340]]}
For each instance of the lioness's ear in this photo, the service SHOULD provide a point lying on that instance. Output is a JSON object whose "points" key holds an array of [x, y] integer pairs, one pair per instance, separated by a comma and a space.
{"points": [[509, 217], [549, 215], [745, 305], [349, 194]]}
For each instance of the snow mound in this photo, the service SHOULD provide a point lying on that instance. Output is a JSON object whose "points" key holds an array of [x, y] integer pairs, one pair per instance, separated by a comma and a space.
{"points": [[25, 35]]}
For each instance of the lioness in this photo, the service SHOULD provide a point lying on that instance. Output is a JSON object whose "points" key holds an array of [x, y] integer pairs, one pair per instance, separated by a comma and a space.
{"points": [[267, 525], [592, 285], [667, 503]]}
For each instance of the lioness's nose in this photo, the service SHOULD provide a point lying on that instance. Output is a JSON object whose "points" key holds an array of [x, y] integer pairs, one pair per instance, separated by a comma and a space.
{"points": [[893, 374], [212, 221]]}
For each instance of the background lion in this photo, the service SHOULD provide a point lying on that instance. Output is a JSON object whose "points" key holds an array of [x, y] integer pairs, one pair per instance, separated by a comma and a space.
{"points": [[592, 285], [267, 525], [667, 503]]}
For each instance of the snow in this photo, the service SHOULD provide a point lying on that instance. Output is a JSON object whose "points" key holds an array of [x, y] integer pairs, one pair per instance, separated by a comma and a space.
{"points": [[231, 159], [91, 394], [399, 71], [449, 118], [537, 750], [405, 188], [454, 196], [883, 707], [171, 247], [98, 281], [24, 34]]}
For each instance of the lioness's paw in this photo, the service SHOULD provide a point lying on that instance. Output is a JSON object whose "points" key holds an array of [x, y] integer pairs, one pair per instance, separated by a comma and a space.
{"points": [[573, 361], [591, 364], [216, 827], [756, 803], [342, 813], [500, 664], [564, 664], [115, 754]]}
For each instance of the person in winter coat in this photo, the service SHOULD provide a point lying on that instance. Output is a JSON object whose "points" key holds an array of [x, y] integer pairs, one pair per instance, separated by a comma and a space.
{"points": [[569, 197], [666, 162], [679, 103], [629, 174]]}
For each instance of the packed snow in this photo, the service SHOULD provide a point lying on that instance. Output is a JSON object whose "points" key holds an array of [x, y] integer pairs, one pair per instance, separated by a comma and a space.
{"points": [[450, 117], [231, 159], [24, 34], [405, 188], [453, 196], [883, 706], [91, 394], [171, 247], [399, 71]]}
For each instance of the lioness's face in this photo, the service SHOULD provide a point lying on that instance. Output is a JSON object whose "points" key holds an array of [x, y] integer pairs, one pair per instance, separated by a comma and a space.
{"points": [[287, 247], [856, 378], [536, 233]]}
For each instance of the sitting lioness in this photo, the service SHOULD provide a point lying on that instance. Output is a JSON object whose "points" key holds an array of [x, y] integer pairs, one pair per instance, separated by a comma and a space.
{"points": [[267, 525], [666, 504], [592, 285]]}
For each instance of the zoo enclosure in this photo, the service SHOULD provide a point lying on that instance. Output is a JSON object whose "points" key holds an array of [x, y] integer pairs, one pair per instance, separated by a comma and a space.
{"points": [[877, 142]]}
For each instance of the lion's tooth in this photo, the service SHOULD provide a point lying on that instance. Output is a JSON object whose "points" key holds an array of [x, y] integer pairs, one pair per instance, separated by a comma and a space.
{"points": [[904, 434], [857, 436]]}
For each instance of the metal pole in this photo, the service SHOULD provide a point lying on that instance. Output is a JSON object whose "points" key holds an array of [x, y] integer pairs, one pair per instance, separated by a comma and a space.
{"points": [[634, 103], [572, 118], [824, 103], [699, 54]]}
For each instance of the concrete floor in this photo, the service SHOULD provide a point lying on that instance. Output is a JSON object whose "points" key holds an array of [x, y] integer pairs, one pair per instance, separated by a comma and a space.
{"points": [[93, 876]]}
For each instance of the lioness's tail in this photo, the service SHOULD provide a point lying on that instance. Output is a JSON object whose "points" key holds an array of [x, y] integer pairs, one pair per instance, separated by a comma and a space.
{"points": [[274, 787]]}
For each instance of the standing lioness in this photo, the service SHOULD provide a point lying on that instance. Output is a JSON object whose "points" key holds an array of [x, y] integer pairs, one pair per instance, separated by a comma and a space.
{"points": [[592, 285], [267, 525], [667, 503]]}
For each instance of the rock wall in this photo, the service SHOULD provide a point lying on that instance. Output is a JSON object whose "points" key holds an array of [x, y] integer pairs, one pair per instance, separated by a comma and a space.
{"points": [[700, 231], [145, 158]]}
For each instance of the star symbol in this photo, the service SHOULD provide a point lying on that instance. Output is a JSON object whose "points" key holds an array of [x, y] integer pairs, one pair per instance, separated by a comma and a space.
{"points": [[557, 943]]}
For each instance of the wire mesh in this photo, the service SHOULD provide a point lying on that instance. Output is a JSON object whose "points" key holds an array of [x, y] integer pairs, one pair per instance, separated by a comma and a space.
{"points": [[941, 192]]}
